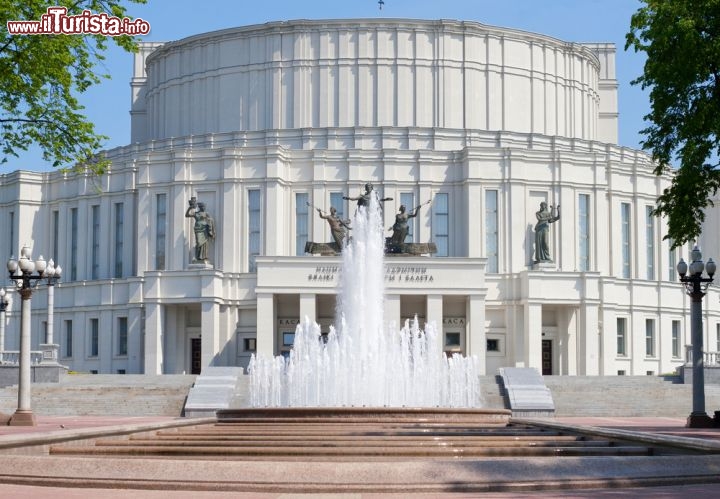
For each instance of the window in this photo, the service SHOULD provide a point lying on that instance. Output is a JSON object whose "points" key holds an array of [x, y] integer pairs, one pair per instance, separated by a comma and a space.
{"points": [[122, 336], [491, 231], [440, 224], [288, 339], [676, 339], [452, 339], [408, 199], [621, 372], [249, 344], [584, 232], [68, 339], [119, 232], [160, 231], [73, 244], [94, 337], [55, 236], [11, 239], [717, 337], [254, 215], [302, 220], [95, 256], [672, 262], [621, 336], [625, 228], [650, 241], [337, 202], [650, 337], [493, 345]]}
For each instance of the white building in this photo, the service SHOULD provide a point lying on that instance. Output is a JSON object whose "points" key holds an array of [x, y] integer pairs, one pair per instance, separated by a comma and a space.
{"points": [[258, 121]]}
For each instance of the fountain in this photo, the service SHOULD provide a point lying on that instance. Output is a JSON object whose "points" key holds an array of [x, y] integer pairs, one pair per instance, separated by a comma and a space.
{"points": [[360, 363]]}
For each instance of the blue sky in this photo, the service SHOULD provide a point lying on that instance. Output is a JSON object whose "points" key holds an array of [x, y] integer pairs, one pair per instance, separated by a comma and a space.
{"points": [[108, 104]]}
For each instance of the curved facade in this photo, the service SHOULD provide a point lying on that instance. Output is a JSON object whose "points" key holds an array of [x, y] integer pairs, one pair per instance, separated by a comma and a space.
{"points": [[258, 122]]}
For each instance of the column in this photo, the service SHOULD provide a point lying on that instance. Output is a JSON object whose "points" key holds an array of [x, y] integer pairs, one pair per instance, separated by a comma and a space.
{"points": [[608, 351], [154, 338], [533, 336], [476, 342], [266, 324], [210, 331], [434, 313], [588, 362], [391, 311], [308, 307], [571, 345]]}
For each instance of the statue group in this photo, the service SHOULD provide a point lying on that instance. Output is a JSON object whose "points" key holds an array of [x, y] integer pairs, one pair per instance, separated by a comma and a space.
{"points": [[204, 229], [395, 244]]}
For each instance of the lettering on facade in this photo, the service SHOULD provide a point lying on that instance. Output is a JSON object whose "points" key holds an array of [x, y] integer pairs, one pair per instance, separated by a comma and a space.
{"points": [[288, 322], [396, 274], [454, 321]]}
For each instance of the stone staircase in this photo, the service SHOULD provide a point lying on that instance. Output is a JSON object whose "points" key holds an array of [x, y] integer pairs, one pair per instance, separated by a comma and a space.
{"points": [[105, 395], [647, 396]]}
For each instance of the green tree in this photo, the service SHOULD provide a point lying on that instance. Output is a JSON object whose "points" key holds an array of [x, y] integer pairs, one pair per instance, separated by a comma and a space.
{"points": [[682, 71], [40, 78]]}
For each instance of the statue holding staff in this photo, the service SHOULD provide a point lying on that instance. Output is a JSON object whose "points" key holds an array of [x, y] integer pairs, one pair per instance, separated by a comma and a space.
{"points": [[400, 227], [363, 199]]}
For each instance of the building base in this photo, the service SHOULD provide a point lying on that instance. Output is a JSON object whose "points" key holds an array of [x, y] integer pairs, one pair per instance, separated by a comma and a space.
{"points": [[22, 418], [699, 420]]}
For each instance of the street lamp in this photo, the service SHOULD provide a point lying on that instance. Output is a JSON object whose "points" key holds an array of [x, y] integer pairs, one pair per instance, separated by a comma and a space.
{"points": [[26, 275], [4, 302], [696, 286]]}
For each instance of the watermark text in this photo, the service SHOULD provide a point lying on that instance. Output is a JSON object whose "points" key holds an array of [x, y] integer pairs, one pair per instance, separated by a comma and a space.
{"points": [[57, 22]]}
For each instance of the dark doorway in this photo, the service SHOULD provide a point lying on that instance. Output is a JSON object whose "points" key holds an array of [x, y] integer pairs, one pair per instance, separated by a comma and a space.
{"points": [[195, 355], [547, 367]]}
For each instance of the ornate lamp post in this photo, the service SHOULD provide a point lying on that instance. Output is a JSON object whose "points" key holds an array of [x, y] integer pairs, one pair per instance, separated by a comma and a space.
{"points": [[696, 286], [52, 274], [26, 275], [4, 302]]}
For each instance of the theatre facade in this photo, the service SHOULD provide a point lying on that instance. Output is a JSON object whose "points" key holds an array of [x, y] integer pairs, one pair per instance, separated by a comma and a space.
{"points": [[264, 124]]}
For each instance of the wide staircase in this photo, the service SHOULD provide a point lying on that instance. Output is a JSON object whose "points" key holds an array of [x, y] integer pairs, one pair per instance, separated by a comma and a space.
{"points": [[647, 396], [105, 395]]}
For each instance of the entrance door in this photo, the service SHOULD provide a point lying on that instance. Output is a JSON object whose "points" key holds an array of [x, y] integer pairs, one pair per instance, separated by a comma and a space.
{"points": [[547, 367], [195, 355]]}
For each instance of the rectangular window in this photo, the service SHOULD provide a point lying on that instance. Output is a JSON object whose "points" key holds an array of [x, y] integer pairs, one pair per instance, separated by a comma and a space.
{"points": [[584, 232], [408, 200], [650, 337], [441, 226], [254, 222], [11, 240], [68, 339], [160, 231], [492, 345], [73, 244], [621, 336], [676, 339], [337, 202], [122, 336], [625, 228], [650, 242], [491, 231], [56, 236], [288, 339], [249, 344], [672, 262], [95, 256], [302, 221], [119, 238], [94, 337], [717, 337]]}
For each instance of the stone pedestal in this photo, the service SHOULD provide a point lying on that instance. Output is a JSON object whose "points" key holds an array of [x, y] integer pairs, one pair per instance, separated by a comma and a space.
{"points": [[200, 266], [22, 418], [49, 353], [544, 266]]}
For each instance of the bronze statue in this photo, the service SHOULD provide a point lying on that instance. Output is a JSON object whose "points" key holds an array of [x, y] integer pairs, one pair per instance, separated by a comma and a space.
{"points": [[364, 198], [338, 226], [400, 227], [204, 229], [542, 229]]}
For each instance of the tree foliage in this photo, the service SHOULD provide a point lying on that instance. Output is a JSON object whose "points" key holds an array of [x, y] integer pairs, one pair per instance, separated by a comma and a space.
{"points": [[682, 41], [40, 78]]}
